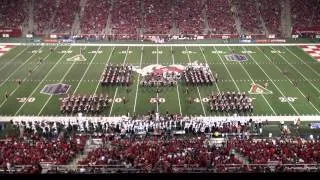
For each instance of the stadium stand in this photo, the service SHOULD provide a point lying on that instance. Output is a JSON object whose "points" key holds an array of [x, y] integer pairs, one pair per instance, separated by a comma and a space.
{"points": [[189, 17], [65, 15], [271, 14], [212, 130], [13, 13], [158, 17], [95, 17], [248, 15], [220, 18], [44, 11], [286, 151], [301, 13], [120, 146], [132, 19], [126, 19]]}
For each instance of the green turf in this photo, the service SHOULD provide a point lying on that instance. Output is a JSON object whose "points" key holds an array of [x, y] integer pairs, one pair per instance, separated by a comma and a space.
{"points": [[262, 66]]}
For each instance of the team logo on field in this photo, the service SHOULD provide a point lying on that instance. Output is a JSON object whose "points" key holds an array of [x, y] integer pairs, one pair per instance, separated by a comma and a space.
{"points": [[78, 57], [160, 70], [258, 89], [236, 57], [55, 89]]}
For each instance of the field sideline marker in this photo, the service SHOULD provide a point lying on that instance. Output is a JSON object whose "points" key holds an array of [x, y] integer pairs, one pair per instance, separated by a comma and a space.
{"points": [[161, 45]]}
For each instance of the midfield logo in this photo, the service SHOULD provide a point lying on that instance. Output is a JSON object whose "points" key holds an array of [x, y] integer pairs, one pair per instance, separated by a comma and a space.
{"points": [[258, 89]]}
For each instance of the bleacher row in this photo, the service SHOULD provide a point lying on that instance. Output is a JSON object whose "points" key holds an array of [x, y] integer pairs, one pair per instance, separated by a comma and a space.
{"points": [[132, 18], [121, 151]]}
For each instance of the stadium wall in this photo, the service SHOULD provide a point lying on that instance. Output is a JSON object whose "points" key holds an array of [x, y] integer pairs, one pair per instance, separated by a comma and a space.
{"points": [[123, 118], [159, 45]]}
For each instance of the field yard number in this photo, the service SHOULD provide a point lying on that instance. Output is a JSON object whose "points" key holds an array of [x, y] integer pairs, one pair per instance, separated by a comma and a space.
{"points": [[118, 100], [276, 52], [66, 52], [95, 52], [247, 52], [155, 52], [125, 52], [25, 99], [287, 99], [218, 52], [188, 52], [197, 100], [36, 51], [154, 100]]}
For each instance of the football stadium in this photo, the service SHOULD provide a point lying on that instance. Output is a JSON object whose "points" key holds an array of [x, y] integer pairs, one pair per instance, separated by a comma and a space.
{"points": [[159, 86]]}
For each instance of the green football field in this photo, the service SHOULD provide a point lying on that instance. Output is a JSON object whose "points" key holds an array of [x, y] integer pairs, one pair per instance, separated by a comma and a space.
{"points": [[279, 66]]}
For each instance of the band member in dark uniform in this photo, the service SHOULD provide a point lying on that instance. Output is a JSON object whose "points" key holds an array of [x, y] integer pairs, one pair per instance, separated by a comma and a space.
{"points": [[190, 100], [124, 100]]}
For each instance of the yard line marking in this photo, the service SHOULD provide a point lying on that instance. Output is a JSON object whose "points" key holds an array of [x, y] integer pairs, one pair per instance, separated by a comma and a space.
{"points": [[259, 80], [95, 91], [115, 94], [18, 68], [288, 79], [157, 102], [136, 97], [204, 111], [25, 79], [44, 78], [48, 100], [210, 68], [157, 55], [301, 60], [15, 57], [297, 71], [172, 56], [85, 72], [227, 70], [157, 84]]}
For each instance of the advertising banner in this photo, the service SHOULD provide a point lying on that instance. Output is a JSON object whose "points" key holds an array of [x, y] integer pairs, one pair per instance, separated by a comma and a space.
{"points": [[272, 36], [50, 41], [11, 32]]}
